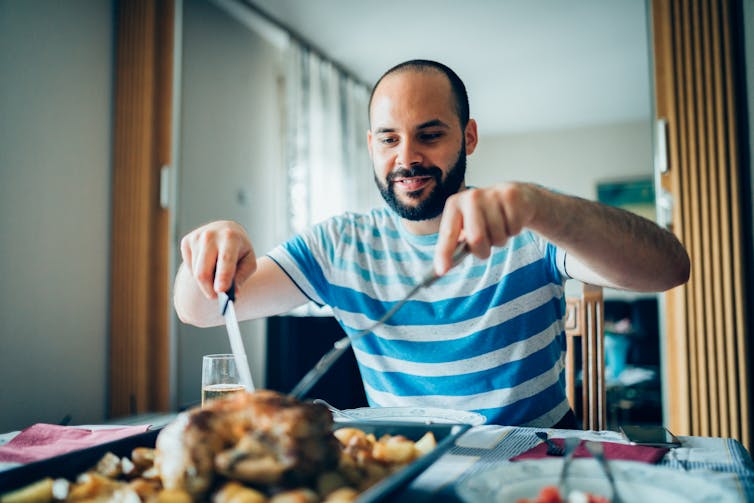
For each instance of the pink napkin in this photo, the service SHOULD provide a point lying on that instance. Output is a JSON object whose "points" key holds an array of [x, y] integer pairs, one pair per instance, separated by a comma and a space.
{"points": [[42, 441], [613, 450]]}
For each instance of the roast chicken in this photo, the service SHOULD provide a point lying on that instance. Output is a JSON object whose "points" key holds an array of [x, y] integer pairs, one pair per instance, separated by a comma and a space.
{"points": [[263, 438]]}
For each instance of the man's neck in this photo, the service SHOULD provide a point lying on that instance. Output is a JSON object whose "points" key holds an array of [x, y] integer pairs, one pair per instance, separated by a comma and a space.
{"points": [[422, 227]]}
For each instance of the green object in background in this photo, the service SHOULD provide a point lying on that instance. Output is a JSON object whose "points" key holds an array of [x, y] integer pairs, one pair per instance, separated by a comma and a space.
{"points": [[637, 195], [640, 191]]}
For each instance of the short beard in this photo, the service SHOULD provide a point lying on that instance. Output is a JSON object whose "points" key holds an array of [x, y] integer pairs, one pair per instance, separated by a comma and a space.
{"points": [[434, 202]]}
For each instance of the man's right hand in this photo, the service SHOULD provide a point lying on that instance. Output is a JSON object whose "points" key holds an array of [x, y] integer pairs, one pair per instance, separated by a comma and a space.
{"points": [[217, 253]]}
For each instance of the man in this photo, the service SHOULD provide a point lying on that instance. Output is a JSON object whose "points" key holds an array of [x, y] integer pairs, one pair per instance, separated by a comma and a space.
{"points": [[488, 336]]}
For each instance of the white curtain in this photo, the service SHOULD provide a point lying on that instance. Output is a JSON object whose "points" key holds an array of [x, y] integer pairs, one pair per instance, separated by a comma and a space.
{"points": [[327, 161], [329, 170]]}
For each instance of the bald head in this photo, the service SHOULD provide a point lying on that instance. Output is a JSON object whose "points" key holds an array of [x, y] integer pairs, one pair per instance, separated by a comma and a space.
{"points": [[458, 89]]}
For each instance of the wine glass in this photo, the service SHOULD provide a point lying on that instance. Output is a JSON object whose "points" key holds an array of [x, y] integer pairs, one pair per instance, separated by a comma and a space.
{"points": [[220, 377]]}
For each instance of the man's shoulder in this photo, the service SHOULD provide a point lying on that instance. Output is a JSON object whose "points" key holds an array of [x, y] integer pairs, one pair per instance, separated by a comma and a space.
{"points": [[373, 223], [526, 238]]}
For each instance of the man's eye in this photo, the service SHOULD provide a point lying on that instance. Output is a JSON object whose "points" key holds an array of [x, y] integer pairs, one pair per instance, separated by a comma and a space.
{"points": [[388, 140], [430, 136]]}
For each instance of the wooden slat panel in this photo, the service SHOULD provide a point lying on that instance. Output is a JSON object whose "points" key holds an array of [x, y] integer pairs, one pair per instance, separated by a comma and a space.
{"points": [[714, 286], [132, 150], [687, 201], [707, 172], [701, 407], [585, 322], [737, 273], [600, 390], [679, 97], [139, 282], [160, 249], [706, 236], [665, 74], [586, 371], [726, 319], [571, 329], [696, 39]]}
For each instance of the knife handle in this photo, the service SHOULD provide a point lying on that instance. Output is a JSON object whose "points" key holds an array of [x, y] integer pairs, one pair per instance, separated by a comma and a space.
{"points": [[224, 297], [231, 292]]}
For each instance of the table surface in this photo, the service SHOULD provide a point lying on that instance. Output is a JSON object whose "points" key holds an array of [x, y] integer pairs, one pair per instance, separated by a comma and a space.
{"points": [[720, 460], [723, 461]]}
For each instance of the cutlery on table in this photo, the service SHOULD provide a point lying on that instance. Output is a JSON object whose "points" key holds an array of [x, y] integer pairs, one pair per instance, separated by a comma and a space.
{"points": [[335, 411], [597, 450], [553, 449], [227, 310], [570, 447], [674, 455], [323, 365]]}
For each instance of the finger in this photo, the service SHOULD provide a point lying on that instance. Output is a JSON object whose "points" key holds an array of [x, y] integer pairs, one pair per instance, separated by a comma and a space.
{"points": [[451, 225], [513, 220], [227, 257], [515, 203], [496, 227], [246, 266], [186, 252], [204, 262], [475, 225]]}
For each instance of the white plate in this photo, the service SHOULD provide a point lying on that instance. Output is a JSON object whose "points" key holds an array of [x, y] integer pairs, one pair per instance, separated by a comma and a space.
{"points": [[413, 415], [637, 482]]}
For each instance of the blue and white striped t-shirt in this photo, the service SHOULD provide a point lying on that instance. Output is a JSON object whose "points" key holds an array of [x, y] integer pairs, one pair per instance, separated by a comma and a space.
{"points": [[488, 336]]}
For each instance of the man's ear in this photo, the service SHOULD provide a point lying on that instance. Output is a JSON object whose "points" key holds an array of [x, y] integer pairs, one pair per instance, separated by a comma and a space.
{"points": [[471, 136], [369, 143]]}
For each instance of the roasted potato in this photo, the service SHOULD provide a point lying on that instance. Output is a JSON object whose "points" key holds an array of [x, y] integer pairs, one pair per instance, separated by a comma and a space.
{"points": [[37, 492], [364, 461]]}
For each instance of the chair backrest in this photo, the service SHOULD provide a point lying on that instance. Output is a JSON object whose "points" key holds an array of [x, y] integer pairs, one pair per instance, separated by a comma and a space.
{"points": [[585, 325]]}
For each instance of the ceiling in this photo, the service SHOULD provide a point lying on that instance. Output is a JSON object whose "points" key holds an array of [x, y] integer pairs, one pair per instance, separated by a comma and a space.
{"points": [[528, 64]]}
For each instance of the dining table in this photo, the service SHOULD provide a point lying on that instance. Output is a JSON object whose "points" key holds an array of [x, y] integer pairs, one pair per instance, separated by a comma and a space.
{"points": [[722, 464]]}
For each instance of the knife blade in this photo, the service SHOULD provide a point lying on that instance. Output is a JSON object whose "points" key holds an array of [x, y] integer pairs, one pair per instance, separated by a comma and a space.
{"points": [[328, 359], [228, 311]]}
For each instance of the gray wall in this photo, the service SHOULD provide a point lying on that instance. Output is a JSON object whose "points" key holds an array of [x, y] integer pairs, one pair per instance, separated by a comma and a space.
{"points": [[55, 96], [229, 165], [571, 161]]}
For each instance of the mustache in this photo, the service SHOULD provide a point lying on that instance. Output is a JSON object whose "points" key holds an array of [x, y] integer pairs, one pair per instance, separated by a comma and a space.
{"points": [[413, 171]]}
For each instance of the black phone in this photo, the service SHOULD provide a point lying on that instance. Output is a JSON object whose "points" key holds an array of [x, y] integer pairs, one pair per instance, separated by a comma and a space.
{"points": [[656, 436]]}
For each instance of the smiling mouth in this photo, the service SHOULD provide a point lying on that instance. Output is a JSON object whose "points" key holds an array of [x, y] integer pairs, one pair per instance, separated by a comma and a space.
{"points": [[412, 183]]}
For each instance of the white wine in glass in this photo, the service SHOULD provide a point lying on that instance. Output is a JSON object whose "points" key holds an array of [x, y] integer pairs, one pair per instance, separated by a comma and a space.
{"points": [[220, 377], [215, 391]]}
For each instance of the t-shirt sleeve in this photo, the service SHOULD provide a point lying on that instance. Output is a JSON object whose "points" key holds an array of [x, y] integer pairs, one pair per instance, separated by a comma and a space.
{"points": [[304, 258], [554, 256]]}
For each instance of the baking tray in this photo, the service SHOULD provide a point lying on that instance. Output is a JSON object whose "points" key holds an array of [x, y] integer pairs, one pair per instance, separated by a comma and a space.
{"points": [[70, 465], [445, 434]]}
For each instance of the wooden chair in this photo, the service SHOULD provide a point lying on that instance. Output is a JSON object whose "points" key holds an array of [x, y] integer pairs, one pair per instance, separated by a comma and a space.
{"points": [[585, 324]]}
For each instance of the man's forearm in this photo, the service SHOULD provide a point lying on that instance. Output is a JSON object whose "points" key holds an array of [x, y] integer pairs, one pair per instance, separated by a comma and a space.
{"points": [[268, 292], [627, 250], [191, 304]]}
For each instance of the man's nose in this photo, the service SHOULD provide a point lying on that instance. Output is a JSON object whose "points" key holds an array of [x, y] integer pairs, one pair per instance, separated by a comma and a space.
{"points": [[408, 154]]}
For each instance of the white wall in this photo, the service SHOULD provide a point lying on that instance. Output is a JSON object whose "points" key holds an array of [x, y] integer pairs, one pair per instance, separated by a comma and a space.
{"points": [[229, 165], [55, 126], [568, 160]]}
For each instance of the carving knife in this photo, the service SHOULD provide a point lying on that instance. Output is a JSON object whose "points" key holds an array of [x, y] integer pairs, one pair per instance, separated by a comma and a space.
{"points": [[227, 309]]}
